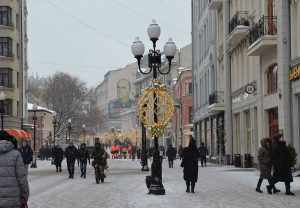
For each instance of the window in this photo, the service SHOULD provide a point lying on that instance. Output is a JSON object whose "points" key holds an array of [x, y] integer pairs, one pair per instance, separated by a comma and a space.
{"points": [[5, 15], [7, 106], [190, 114], [5, 46], [272, 79], [18, 51], [18, 79], [17, 22], [190, 88], [6, 77]]}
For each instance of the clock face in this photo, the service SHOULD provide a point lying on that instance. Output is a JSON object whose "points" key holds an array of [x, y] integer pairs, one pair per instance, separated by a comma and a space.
{"points": [[250, 89]]}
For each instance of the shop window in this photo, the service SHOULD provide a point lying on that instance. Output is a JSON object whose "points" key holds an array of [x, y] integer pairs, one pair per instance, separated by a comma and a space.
{"points": [[272, 76], [273, 122]]}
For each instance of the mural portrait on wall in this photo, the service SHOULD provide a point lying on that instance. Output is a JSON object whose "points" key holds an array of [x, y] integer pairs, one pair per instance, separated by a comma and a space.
{"points": [[123, 102]]}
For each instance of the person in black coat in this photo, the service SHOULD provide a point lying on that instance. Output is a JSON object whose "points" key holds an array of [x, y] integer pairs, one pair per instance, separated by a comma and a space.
{"points": [[190, 157], [282, 164], [84, 156], [58, 156], [71, 154], [171, 155], [27, 154], [203, 152]]}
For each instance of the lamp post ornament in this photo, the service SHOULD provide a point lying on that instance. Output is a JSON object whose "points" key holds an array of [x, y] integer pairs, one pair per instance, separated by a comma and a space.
{"points": [[155, 105]]}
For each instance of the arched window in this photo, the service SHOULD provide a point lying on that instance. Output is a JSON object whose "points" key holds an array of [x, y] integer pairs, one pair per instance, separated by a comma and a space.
{"points": [[272, 78]]}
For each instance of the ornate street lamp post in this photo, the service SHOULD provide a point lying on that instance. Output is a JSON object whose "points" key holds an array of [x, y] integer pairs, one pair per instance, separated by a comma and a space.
{"points": [[54, 128], [69, 128], [34, 118], [2, 99], [154, 63]]}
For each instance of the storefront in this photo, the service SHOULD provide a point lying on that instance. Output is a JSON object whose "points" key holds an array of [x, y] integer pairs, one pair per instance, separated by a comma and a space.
{"points": [[294, 77]]}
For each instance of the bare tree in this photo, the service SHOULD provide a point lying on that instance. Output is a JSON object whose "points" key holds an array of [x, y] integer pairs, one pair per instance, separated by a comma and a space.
{"points": [[67, 96]]}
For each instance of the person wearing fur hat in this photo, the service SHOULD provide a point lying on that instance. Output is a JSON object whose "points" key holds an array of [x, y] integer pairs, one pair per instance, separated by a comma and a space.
{"points": [[14, 190], [282, 164]]}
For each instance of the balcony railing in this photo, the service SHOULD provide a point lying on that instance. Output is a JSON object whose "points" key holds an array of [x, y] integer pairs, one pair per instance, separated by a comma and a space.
{"points": [[216, 97], [267, 25], [240, 18]]}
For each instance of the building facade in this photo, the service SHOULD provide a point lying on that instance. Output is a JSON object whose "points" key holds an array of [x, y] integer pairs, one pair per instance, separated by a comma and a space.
{"points": [[295, 73], [208, 82], [13, 61], [253, 54]]}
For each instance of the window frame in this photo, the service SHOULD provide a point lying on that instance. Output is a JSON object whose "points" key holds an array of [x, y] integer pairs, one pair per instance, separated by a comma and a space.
{"points": [[6, 77], [6, 46], [272, 79], [5, 12]]}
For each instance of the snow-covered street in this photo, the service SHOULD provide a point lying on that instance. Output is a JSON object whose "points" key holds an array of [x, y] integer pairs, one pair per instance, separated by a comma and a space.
{"points": [[218, 186]]}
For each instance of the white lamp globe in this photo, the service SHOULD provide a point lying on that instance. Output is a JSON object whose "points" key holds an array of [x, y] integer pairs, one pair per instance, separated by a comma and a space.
{"points": [[170, 48], [153, 30], [137, 47]]}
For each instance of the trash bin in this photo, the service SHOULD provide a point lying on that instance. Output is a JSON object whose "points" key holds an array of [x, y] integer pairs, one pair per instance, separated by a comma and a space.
{"points": [[248, 161], [237, 160]]}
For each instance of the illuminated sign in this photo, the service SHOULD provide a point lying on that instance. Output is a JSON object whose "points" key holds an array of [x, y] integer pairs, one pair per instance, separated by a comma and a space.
{"points": [[295, 72]]}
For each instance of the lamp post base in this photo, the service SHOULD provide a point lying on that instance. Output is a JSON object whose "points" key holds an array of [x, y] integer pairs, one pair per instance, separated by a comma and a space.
{"points": [[145, 168], [157, 189]]}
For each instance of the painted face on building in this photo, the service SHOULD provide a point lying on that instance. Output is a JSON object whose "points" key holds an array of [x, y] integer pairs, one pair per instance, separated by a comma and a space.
{"points": [[123, 90]]}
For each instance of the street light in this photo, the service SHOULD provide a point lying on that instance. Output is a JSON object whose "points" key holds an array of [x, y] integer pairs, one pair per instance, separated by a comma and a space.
{"points": [[83, 133], [69, 128], [154, 63], [34, 118], [2, 111], [54, 128]]}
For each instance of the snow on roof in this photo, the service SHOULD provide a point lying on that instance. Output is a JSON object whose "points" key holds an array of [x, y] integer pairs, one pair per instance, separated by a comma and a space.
{"points": [[39, 108]]}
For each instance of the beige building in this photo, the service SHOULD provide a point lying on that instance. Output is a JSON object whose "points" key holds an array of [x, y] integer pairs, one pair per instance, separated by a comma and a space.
{"points": [[13, 61], [253, 57], [115, 95]]}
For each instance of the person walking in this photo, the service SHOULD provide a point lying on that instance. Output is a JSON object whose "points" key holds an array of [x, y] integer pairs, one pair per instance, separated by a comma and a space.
{"points": [[265, 165], [282, 164], [171, 155], [14, 190], [190, 157], [84, 156], [71, 154], [203, 152], [26, 153], [58, 156]]}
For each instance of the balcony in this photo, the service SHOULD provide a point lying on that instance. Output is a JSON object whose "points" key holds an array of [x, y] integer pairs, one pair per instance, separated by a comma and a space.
{"points": [[216, 102], [215, 4], [238, 28], [263, 36]]}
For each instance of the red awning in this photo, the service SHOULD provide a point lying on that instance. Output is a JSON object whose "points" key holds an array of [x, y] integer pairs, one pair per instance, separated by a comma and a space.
{"points": [[19, 133]]}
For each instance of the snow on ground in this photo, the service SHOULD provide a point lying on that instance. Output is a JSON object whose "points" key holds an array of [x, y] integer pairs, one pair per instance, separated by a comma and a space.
{"points": [[217, 186]]}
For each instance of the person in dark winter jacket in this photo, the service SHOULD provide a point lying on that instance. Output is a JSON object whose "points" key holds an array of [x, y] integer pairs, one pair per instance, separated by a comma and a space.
{"points": [[58, 156], [171, 155], [265, 165], [26, 153], [203, 152], [282, 164], [71, 153], [84, 156], [190, 157], [14, 188]]}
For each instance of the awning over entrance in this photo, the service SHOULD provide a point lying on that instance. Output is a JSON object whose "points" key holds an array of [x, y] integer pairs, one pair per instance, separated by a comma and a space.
{"points": [[19, 133]]}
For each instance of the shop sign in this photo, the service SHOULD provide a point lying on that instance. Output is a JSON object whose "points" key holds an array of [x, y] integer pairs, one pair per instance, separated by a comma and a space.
{"points": [[295, 73], [250, 89]]}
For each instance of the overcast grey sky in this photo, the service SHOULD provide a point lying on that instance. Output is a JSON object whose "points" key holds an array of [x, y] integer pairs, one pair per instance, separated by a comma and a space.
{"points": [[87, 38]]}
